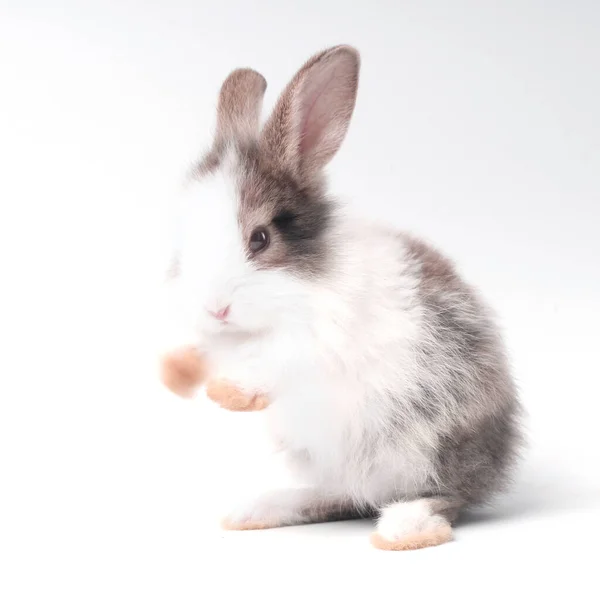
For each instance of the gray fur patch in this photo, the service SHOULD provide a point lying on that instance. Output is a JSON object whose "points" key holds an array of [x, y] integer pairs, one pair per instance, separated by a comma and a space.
{"points": [[297, 217], [465, 392]]}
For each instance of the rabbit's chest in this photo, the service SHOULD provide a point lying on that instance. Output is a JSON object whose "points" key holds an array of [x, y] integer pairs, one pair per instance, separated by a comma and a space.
{"points": [[312, 404]]}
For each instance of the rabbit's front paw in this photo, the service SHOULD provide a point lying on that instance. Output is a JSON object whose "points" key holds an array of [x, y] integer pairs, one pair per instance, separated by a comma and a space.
{"points": [[182, 371], [229, 396]]}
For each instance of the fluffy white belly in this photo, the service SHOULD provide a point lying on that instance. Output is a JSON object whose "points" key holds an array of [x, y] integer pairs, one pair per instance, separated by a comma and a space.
{"points": [[329, 422], [312, 404]]}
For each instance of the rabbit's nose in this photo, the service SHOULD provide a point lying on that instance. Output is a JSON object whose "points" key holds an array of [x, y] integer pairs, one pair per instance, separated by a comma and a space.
{"points": [[221, 314]]}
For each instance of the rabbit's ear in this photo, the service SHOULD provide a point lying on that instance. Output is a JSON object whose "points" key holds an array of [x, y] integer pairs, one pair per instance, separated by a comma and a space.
{"points": [[311, 117], [240, 103]]}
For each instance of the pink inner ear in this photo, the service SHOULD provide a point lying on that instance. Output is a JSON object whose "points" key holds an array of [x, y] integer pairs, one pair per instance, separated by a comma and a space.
{"points": [[325, 104], [314, 119]]}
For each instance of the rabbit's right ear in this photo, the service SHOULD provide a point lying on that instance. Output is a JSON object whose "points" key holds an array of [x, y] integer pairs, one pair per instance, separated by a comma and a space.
{"points": [[312, 115], [239, 107]]}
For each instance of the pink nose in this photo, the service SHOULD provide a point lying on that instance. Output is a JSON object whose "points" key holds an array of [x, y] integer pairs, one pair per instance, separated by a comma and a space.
{"points": [[220, 314]]}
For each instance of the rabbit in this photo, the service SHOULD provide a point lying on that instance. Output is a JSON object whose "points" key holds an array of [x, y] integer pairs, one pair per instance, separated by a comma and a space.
{"points": [[382, 375]]}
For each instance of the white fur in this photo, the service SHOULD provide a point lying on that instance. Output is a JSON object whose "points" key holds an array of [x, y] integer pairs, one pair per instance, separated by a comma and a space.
{"points": [[328, 354], [355, 346], [276, 508], [405, 518]]}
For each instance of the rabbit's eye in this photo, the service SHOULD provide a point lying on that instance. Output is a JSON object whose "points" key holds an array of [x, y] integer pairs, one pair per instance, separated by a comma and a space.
{"points": [[259, 240]]}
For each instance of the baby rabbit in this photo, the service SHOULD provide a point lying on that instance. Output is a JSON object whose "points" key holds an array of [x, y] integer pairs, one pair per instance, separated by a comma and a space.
{"points": [[381, 372]]}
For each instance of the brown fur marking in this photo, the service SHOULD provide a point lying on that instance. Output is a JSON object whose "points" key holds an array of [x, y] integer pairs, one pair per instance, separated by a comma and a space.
{"points": [[435, 267]]}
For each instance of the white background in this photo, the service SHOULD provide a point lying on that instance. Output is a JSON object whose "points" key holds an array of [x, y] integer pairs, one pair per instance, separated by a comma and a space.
{"points": [[477, 127]]}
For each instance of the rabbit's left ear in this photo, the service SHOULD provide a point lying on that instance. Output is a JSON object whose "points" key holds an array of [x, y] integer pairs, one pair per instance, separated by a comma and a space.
{"points": [[312, 115], [239, 107]]}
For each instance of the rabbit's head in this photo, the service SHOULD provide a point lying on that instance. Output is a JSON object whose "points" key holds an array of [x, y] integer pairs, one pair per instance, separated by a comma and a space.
{"points": [[258, 225]]}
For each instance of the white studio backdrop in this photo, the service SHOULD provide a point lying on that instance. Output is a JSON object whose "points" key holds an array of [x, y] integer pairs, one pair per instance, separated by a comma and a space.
{"points": [[477, 127]]}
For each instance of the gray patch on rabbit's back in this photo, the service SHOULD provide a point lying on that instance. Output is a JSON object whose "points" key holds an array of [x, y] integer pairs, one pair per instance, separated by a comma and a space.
{"points": [[475, 464], [464, 389]]}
